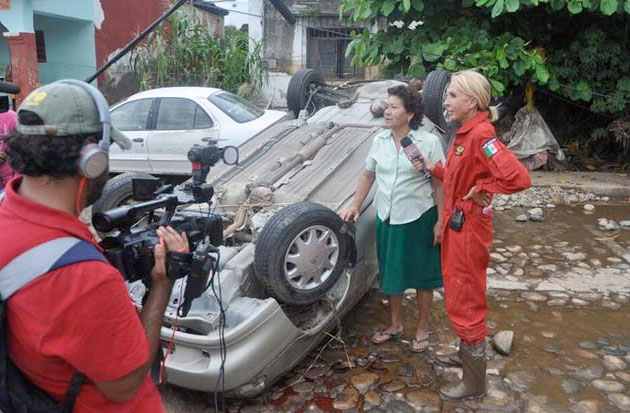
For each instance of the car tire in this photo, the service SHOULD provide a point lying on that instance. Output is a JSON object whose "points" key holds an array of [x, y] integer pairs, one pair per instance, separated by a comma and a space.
{"points": [[299, 86], [117, 191], [301, 253], [433, 94]]}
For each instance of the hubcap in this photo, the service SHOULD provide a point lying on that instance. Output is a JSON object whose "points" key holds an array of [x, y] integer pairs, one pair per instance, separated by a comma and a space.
{"points": [[311, 258]]}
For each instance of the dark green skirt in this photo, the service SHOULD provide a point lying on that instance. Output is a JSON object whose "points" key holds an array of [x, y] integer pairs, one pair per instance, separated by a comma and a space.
{"points": [[406, 255]]}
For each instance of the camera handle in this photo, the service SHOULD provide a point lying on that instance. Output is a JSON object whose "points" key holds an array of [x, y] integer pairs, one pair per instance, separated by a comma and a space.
{"points": [[202, 264]]}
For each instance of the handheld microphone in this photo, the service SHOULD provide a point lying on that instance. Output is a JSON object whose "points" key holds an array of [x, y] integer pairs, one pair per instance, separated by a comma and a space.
{"points": [[413, 153]]}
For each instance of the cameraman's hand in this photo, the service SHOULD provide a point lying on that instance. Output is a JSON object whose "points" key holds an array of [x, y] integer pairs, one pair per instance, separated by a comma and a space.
{"points": [[172, 242]]}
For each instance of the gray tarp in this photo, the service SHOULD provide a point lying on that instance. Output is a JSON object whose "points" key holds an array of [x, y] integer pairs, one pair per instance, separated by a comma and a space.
{"points": [[531, 139]]}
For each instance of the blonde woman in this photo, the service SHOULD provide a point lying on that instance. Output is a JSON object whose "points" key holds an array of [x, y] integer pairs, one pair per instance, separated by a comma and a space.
{"points": [[477, 166]]}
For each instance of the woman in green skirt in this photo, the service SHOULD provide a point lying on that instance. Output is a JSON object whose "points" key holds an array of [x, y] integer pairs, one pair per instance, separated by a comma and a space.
{"points": [[409, 213]]}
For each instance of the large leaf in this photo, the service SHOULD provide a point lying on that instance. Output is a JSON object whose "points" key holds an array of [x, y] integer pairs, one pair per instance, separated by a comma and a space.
{"points": [[542, 74], [574, 6], [512, 5], [497, 9], [519, 67], [418, 5], [396, 47], [432, 51], [406, 5], [497, 86], [608, 7], [594, 6], [449, 64], [584, 90], [502, 58], [388, 7], [417, 70], [626, 6], [557, 4]]}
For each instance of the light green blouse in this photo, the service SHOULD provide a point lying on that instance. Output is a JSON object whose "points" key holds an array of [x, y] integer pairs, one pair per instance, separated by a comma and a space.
{"points": [[402, 194]]}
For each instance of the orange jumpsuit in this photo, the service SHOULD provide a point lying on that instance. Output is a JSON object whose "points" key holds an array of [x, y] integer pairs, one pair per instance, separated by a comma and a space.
{"points": [[475, 158]]}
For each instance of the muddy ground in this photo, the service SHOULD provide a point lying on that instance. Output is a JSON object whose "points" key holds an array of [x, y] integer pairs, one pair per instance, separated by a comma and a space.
{"points": [[560, 282]]}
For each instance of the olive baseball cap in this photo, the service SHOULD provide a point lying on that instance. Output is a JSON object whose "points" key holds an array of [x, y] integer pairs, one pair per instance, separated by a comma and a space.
{"points": [[67, 109]]}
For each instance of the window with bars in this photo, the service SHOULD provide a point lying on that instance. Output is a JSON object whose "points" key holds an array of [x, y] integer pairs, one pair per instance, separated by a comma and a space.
{"points": [[41, 46], [326, 52]]}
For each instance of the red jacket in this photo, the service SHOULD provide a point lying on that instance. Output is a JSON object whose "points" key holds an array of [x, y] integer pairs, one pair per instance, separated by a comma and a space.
{"points": [[478, 158]]}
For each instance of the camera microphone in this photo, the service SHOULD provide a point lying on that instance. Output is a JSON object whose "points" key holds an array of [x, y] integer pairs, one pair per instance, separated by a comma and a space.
{"points": [[10, 88], [413, 153]]}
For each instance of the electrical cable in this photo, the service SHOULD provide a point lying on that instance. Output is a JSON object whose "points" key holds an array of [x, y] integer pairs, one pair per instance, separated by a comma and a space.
{"points": [[171, 342], [221, 329], [81, 190]]}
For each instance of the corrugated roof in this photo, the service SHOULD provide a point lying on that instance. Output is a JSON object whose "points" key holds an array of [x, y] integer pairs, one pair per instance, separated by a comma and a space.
{"points": [[210, 7]]}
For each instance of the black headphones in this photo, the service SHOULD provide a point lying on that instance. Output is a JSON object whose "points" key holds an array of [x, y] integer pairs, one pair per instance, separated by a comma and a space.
{"points": [[94, 157]]}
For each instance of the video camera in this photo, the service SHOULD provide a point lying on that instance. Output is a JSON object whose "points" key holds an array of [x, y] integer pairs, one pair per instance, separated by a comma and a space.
{"points": [[132, 228]]}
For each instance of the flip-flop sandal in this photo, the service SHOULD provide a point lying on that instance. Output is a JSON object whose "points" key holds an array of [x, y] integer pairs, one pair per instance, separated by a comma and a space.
{"points": [[382, 337], [415, 345]]}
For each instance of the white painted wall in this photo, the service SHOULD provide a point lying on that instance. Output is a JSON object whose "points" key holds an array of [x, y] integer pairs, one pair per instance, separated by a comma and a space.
{"points": [[255, 24], [298, 57], [275, 91]]}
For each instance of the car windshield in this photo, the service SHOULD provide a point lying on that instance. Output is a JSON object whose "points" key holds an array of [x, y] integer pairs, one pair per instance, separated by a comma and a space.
{"points": [[238, 109]]}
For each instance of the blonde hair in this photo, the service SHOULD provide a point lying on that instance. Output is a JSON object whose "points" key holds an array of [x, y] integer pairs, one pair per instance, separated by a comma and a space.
{"points": [[475, 85]]}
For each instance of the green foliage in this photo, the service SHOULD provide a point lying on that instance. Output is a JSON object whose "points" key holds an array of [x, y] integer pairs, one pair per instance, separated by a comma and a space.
{"points": [[183, 53], [593, 62], [446, 41], [588, 56], [604, 7]]}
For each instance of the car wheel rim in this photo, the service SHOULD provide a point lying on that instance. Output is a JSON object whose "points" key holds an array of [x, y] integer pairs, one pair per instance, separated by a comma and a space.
{"points": [[445, 114], [311, 258]]}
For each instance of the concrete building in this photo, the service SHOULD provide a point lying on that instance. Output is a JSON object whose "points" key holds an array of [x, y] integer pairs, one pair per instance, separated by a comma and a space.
{"points": [[210, 16], [316, 40], [45, 40]]}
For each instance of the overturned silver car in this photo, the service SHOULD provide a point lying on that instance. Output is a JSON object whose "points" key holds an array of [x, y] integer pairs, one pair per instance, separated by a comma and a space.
{"points": [[289, 267]]}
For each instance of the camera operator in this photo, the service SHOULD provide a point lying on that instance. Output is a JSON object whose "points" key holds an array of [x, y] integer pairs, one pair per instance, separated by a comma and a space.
{"points": [[79, 317]]}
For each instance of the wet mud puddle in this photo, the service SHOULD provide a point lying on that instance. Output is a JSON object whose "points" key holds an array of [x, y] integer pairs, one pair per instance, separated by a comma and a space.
{"points": [[562, 286], [563, 359]]}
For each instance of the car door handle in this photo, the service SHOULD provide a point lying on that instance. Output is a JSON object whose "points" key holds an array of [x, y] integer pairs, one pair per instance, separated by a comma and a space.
{"points": [[140, 140]]}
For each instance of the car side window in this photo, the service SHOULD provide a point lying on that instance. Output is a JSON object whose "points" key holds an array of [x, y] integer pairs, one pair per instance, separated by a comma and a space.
{"points": [[181, 114], [235, 107], [132, 116], [202, 120]]}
